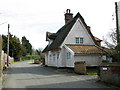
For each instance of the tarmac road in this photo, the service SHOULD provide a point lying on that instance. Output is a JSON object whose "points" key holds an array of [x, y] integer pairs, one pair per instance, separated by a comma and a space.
{"points": [[29, 75]]}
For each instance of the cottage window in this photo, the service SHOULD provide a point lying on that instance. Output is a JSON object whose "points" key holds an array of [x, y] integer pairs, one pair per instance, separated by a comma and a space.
{"points": [[68, 55], [79, 40]]}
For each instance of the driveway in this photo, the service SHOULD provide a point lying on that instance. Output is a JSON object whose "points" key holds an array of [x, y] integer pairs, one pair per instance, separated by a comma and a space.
{"points": [[29, 75]]}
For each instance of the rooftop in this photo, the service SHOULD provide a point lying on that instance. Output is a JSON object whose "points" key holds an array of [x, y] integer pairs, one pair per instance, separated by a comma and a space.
{"points": [[85, 49]]}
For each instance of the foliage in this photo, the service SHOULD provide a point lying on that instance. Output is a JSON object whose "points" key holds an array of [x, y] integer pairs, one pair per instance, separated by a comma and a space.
{"points": [[27, 46], [39, 52], [4, 43], [92, 70], [112, 42], [18, 50], [29, 57], [105, 61], [15, 48], [112, 45], [92, 74]]}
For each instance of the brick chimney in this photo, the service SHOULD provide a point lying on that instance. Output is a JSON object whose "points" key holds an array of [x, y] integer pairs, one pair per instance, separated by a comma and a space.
{"points": [[68, 15], [89, 27]]}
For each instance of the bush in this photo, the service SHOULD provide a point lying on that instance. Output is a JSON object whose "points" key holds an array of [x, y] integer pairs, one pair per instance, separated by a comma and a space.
{"points": [[29, 58], [105, 61]]}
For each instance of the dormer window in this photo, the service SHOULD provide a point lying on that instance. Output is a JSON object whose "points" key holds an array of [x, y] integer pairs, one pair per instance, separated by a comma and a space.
{"points": [[79, 40]]}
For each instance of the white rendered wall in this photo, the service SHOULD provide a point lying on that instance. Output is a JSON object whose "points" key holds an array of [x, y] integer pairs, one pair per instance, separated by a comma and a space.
{"points": [[91, 60], [51, 61], [78, 30]]}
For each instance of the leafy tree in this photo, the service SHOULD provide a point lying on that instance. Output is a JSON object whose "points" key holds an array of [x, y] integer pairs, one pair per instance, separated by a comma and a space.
{"points": [[27, 46], [4, 43], [15, 47], [39, 52]]}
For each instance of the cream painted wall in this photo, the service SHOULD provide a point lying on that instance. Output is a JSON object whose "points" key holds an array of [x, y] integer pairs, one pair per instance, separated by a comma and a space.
{"points": [[91, 60], [51, 61], [64, 61], [78, 30]]}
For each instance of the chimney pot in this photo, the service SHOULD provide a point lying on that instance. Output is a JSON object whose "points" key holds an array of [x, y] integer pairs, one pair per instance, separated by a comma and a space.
{"points": [[68, 15]]}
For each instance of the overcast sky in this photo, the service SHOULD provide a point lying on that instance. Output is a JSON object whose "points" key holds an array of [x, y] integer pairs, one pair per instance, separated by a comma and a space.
{"points": [[32, 18]]}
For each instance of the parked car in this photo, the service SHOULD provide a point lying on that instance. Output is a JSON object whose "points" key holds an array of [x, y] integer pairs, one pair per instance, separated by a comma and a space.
{"points": [[37, 61]]}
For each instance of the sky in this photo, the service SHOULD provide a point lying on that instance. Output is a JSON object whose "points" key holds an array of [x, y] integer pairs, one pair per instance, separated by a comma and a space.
{"points": [[33, 18]]}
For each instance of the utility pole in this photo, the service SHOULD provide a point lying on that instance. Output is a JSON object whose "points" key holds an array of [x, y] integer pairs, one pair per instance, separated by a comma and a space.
{"points": [[8, 47], [117, 31]]}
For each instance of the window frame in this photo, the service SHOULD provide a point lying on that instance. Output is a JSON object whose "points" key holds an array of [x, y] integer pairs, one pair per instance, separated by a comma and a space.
{"points": [[68, 55], [79, 40]]}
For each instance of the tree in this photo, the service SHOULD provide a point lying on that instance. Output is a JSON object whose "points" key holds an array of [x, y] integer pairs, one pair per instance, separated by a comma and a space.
{"points": [[112, 44], [27, 46], [15, 47], [4, 43], [39, 52]]}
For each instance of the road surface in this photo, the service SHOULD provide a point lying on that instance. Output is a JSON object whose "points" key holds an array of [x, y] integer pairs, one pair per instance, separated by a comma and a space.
{"points": [[29, 75]]}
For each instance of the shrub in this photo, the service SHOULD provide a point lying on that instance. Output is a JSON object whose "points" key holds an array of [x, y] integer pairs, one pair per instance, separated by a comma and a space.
{"points": [[105, 61]]}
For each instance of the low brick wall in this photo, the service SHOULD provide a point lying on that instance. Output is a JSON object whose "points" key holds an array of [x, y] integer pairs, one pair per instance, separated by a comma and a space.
{"points": [[110, 73], [80, 67]]}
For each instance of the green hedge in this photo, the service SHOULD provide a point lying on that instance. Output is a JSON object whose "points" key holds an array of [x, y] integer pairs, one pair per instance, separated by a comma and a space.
{"points": [[29, 58]]}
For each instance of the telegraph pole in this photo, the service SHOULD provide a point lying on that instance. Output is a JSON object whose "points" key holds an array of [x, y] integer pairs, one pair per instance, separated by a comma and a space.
{"points": [[117, 31], [8, 47]]}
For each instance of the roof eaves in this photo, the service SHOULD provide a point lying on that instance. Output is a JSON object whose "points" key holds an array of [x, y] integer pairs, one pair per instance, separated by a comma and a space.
{"points": [[88, 53]]}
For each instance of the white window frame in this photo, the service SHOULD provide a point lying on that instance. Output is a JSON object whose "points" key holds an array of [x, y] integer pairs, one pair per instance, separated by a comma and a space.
{"points": [[79, 40], [68, 55]]}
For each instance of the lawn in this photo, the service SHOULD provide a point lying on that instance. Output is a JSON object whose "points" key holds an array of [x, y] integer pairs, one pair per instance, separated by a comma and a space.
{"points": [[92, 70]]}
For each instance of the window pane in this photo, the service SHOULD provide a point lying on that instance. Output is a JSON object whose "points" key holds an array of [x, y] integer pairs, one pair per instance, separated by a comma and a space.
{"points": [[81, 40], [77, 40], [68, 55]]}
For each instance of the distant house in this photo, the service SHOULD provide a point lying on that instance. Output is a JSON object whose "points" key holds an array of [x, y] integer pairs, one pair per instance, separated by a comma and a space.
{"points": [[71, 43]]}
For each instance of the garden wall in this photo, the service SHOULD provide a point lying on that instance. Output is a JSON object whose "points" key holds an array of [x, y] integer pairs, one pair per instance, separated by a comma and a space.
{"points": [[110, 73], [80, 67]]}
